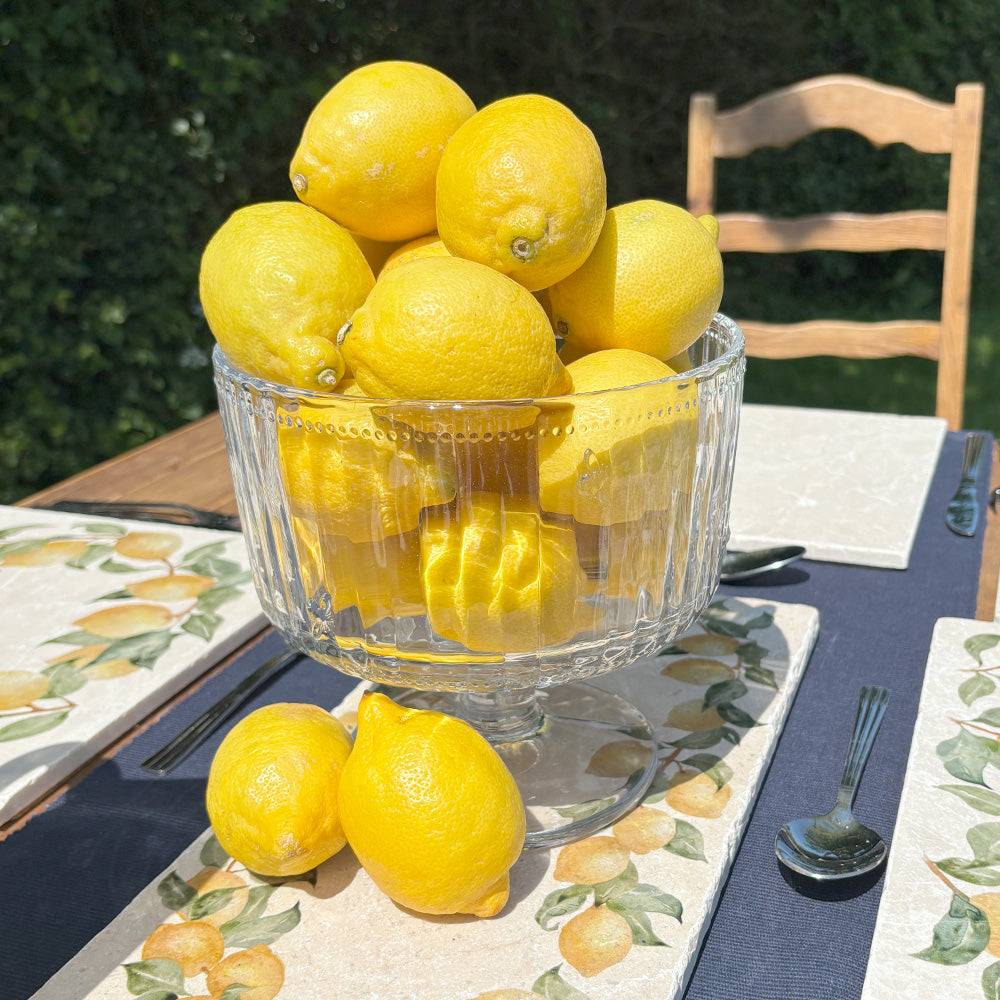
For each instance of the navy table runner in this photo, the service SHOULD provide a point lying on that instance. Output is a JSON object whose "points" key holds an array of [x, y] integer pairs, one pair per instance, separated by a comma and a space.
{"points": [[74, 867]]}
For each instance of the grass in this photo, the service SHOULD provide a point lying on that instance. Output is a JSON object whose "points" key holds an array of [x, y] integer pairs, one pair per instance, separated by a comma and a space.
{"points": [[892, 385]]}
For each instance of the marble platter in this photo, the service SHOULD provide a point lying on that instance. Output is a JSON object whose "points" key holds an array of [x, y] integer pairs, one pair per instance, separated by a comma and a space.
{"points": [[636, 933], [933, 938], [103, 621], [848, 486]]}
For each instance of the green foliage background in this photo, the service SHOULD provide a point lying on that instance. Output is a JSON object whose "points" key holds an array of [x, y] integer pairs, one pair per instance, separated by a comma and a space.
{"points": [[130, 130]]}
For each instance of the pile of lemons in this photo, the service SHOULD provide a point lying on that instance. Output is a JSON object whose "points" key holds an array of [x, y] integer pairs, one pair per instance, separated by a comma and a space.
{"points": [[428, 807], [440, 252], [396, 165]]}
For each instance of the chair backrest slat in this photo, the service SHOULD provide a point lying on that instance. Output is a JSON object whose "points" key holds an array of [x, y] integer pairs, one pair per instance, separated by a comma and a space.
{"points": [[883, 115]]}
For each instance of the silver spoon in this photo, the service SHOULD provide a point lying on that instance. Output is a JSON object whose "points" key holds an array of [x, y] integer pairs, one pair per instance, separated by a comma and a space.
{"points": [[837, 845], [745, 565]]}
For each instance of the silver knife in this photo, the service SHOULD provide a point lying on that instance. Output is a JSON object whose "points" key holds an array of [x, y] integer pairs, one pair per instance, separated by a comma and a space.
{"points": [[170, 513], [962, 515]]}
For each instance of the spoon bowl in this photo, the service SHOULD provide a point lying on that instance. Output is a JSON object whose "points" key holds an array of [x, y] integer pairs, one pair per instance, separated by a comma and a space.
{"points": [[746, 565], [835, 845]]}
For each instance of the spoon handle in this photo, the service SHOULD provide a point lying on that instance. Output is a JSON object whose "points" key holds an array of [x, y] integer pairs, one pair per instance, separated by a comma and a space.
{"points": [[871, 708]]}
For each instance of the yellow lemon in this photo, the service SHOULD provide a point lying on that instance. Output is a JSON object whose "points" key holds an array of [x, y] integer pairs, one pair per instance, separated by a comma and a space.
{"points": [[272, 789], [652, 284], [376, 252], [257, 973], [173, 587], [380, 578], [125, 620], [423, 246], [194, 945], [496, 577], [150, 546], [621, 444], [49, 554], [354, 477], [277, 281], [369, 152], [20, 687], [521, 188], [447, 328], [430, 810], [594, 940]]}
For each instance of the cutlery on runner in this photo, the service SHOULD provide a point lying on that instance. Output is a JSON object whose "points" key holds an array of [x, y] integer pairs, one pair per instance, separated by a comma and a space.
{"points": [[171, 513], [962, 515], [192, 736], [738, 566], [836, 845]]}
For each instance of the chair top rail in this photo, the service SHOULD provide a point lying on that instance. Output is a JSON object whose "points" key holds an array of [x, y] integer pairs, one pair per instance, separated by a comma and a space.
{"points": [[881, 113], [842, 338]]}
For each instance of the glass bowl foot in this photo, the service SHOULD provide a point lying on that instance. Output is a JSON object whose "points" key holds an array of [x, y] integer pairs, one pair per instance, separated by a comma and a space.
{"points": [[582, 757]]}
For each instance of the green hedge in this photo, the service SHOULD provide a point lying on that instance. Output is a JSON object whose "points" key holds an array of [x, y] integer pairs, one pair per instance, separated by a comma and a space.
{"points": [[130, 132]]}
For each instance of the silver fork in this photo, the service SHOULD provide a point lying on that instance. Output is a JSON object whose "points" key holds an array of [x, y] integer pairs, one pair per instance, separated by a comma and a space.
{"points": [[962, 515]]}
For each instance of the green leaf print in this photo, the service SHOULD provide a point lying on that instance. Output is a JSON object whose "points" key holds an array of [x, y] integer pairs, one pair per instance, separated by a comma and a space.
{"points": [[143, 650], [991, 981], [984, 839], [724, 692], [32, 726], [638, 922], [175, 893], [687, 842], [552, 986], [977, 686], [158, 977], [559, 903], [246, 931], [975, 872], [982, 799], [212, 853], [965, 756], [976, 645], [959, 936]]}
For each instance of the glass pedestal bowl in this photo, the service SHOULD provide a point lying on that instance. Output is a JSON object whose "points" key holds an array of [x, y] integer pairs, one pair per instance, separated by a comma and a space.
{"points": [[487, 558]]}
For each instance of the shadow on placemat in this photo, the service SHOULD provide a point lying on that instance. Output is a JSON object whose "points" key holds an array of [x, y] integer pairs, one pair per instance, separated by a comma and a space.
{"points": [[831, 890]]}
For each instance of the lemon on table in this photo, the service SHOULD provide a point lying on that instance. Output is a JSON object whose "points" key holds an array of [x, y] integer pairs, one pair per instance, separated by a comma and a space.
{"points": [[278, 280], [521, 187], [448, 328], [652, 284], [272, 789], [430, 810], [352, 477], [622, 445], [369, 152], [497, 578]]}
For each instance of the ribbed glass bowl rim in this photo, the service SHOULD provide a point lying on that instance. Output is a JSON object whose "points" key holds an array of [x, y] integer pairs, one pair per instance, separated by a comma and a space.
{"points": [[702, 373]]}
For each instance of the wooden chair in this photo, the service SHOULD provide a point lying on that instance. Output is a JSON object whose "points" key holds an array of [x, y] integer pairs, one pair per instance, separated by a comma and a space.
{"points": [[883, 115]]}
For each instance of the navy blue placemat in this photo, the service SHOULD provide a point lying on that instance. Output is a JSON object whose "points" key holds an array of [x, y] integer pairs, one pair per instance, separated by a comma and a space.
{"points": [[769, 939], [75, 866]]}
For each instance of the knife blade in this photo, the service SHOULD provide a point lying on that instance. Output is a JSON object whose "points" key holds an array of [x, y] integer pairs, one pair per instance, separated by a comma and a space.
{"points": [[962, 514], [166, 512]]}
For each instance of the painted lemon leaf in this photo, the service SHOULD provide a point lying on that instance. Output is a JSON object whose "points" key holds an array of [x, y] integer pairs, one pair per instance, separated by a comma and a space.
{"points": [[174, 892], [64, 679], [143, 650], [991, 981], [959, 936], [638, 922], [623, 882], [966, 755], [977, 686], [552, 986], [707, 738], [724, 692], [984, 839], [761, 675], [212, 853], [976, 645], [735, 715], [651, 899], [982, 799], [32, 726], [202, 625], [976, 872], [559, 903], [687, 842], [245, 931], [156, 977]]}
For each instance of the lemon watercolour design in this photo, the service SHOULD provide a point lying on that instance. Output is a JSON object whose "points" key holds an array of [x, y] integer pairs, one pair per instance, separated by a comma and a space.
{"points": [[158, 590], [969, 926], [219, 940], [610, 909]]}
